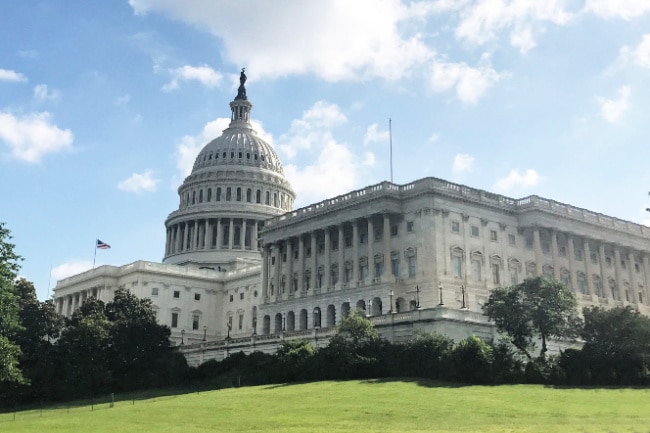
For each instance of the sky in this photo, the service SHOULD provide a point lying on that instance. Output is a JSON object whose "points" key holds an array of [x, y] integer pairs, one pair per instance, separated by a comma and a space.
{"points": [[105, 105]]}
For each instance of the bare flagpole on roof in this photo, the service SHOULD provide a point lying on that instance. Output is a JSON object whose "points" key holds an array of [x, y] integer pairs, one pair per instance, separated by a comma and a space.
{"points": [[95, 255], [390, 135]]}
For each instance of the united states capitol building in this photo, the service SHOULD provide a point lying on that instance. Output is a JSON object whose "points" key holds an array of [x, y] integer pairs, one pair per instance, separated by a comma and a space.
{"points": [[243, 270]]}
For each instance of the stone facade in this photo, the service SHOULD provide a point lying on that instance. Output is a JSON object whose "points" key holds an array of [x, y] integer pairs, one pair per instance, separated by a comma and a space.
{"points": [[243, 271]]}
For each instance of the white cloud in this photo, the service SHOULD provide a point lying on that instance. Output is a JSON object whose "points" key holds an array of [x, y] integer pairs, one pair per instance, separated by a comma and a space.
{"points": [[203, 74], [515, 181], [462, 163], [433, 138], [139, 182], [623, 9], [32, 136], [613, 109], [43, 93], [646, 222], [313, 128], [123, 100], [470, 83], [335, 40], [9, 75], [640, 55], [373, 135], [190, 146], [69, 269]]}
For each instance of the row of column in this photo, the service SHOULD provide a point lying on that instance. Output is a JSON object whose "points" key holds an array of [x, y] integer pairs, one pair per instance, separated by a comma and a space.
{"points": [[635, 279], [66, 305], [212, 233], [311, 261]]}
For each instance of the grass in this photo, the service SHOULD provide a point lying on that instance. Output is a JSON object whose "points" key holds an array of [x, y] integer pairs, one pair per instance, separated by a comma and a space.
{"points": [[363, 406]]}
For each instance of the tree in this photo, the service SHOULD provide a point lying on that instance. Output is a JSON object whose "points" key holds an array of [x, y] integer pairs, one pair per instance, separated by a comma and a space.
{"points": [[617, 345], [536, 308], [9, 319]]}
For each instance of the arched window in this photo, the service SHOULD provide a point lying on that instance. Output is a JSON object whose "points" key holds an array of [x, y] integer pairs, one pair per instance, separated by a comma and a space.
{"points": [[238, 194], [249, 195], [200, 196], [209, 195], [268, 199], [218, 194], [258, 197], [228, 194]]}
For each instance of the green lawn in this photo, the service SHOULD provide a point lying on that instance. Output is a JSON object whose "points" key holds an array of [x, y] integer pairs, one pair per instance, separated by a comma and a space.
{"points": [[358, 406]]}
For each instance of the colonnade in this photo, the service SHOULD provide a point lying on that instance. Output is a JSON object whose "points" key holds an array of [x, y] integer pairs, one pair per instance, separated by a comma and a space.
{"points": [[212, 233], [66, 305]]}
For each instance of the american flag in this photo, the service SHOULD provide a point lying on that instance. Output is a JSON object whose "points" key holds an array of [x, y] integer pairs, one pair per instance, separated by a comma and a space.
{"points": [[102, 245]]}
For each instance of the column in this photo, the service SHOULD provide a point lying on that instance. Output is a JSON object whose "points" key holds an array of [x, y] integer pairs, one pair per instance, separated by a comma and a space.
{"points": [[572, 264], [603, 266], [555, 255], [355, 252], [633, 280], [167, 243], [387, 270], [619, 273], [195, 236], [588, 270], [646, 272], [219, 228], [186, 236], [537, 246], [277, 270], [255, 237], [371, 248], [265, 271], [327, 260], [243, 234], [341, 255], [314, 263], [301, 263], [231, 233], [289, 277], [208, 234]]}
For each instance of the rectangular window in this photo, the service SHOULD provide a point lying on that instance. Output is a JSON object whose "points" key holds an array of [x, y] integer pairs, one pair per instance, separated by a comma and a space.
{"points": [[379, 269], [412, 266], [393, 230], [272, 260], [578, 255], [594, 258], [562, 251], [177, 294], [241, 321], [495, 274], [455, 226], [197, 296], [529, 243], [378, 235], [363, 238], [474, 231], [295, 255], [476, 270], [363, 270], [232, 298], [493, 235], [348, 241], [321, 248], [457, 266], [335, 244], [623, 265], [409, 226], [514, 276], [512, 239], [546, 248], [395, 266], [308, 253], [608, 261], [348, 275], [241, 296], [637, 268], [174, 320], [195, 322], [154, 291]]}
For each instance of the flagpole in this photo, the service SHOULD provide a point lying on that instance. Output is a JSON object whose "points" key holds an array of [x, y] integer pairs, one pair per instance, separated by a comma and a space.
{"points": [[95, 254], [390, 135], [49, 282]]}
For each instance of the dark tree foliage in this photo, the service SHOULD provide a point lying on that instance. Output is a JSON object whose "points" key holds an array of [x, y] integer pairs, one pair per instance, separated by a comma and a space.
{"points": [[9, 318], [537, 308], [617, 345]]}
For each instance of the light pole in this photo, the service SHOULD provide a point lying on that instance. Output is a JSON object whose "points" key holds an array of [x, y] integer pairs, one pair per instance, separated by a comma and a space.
{"points": [[349, 301], [369, 308], [391, 294], [254, 325], [462, 292], [417, 297], [440, 290], [205, 331], [284, 322], [316, 318], [182, 337]]}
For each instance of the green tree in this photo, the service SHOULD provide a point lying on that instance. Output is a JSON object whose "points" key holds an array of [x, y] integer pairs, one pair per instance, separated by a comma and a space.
{"points": [[537, 308], [9, 308], [617, 345]]}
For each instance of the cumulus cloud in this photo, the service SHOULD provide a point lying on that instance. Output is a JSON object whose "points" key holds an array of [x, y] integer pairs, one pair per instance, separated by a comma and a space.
{"points": [[313, 128], [335, 40], [32, 136], [613, 110], [374, 135], [189, 146], [462, 163], [205, 75], [470, 83], [9, 75], [639, 55], [623, 9], [139, 182], [69, 269], [516, 181], [43, 93]]}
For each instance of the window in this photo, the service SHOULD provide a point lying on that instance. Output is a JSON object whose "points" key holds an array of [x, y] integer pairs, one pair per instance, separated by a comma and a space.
{"points": [[379, 268], [321, 248], [363, 238], [608, 261], [578, 254], [409, 226], [562, 251], [393, 230], [347, 276], [319, 277], [249, 195], [378, 235], [514, 276], [177, 294], [637, 268], [512, 239], [348, 241], [363, 268], [457, 266], [201, 196], [546, 248], [174, 320], [272, 260], [495, 274], [228, 194], [455, 226], [476, 270], [307, 279], [565, 278], [295, 254], [334, 274], [412, 262], [529, 243], [258, 197], [474, 231], [394, 264], [238, 194], [335, 244], [218, 195], [308, 252], [240, 321], [594, 258], [241, 296], [154, 291], [197, 296], [284, 257], [493, 235], [195, 321], [232, 298], [209, 194], [582, 283], [623, 264]]}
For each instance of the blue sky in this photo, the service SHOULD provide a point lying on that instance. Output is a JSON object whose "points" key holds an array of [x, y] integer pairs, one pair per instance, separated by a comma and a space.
{"points": [[104, 105]]}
